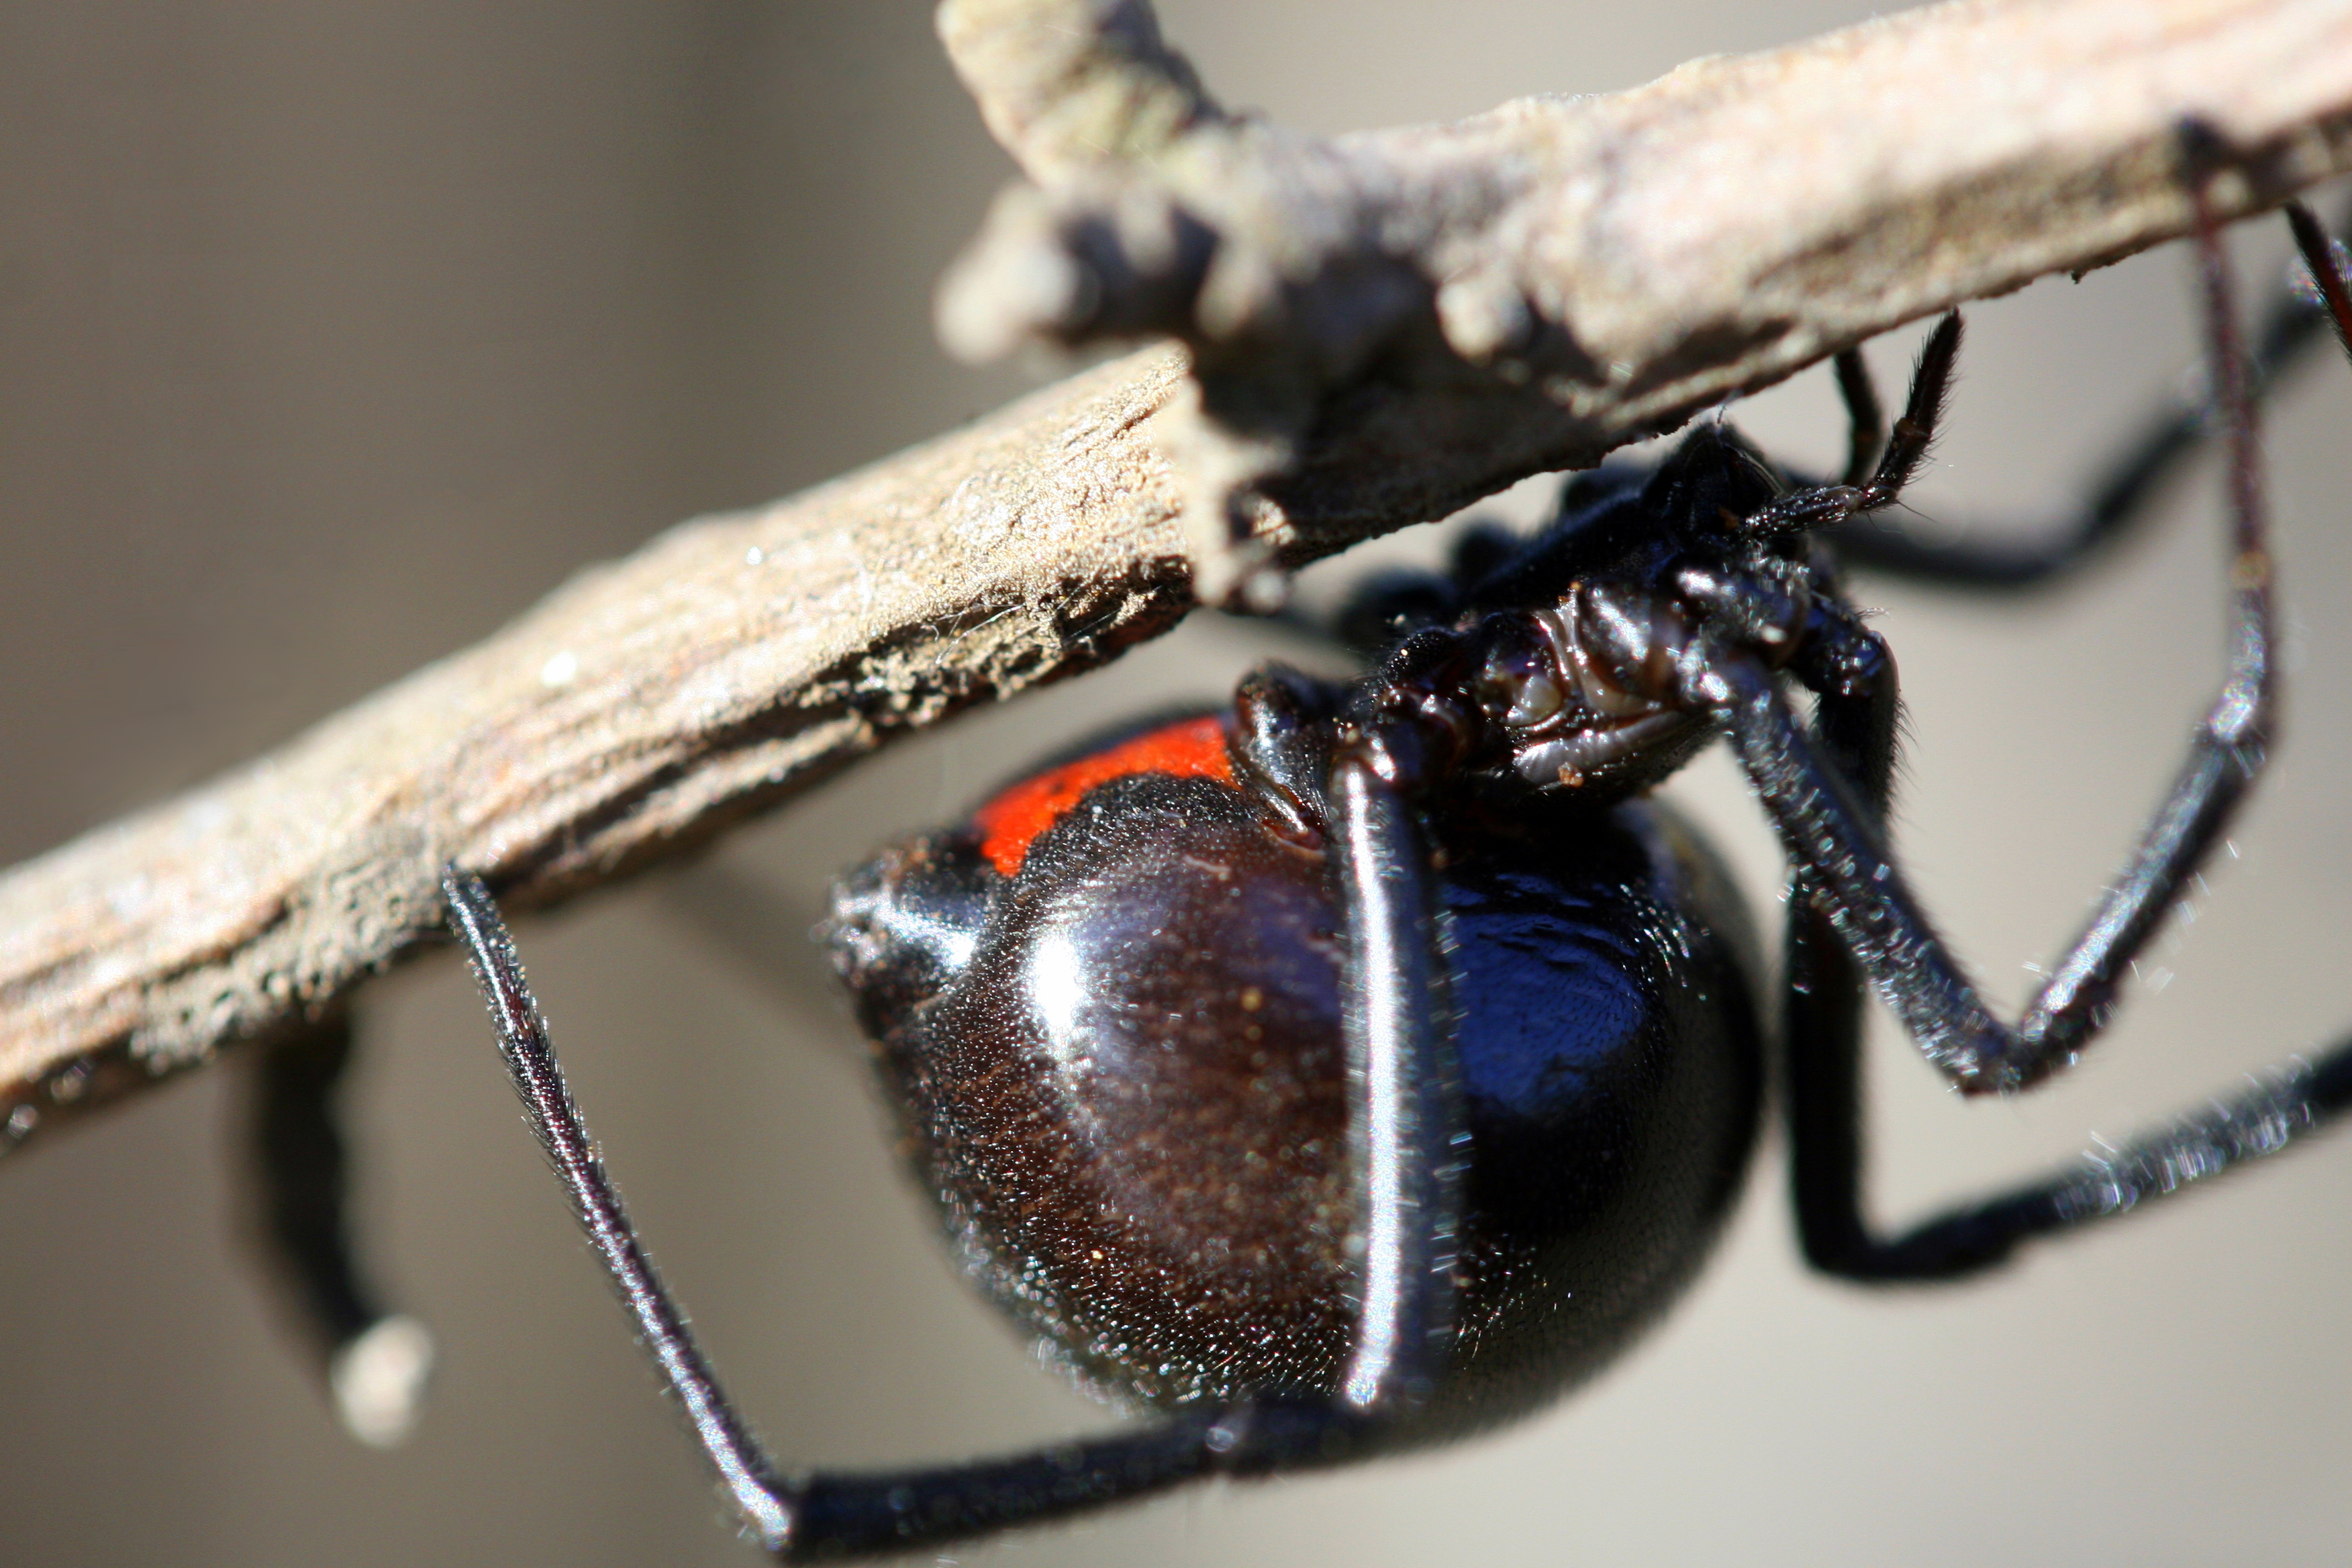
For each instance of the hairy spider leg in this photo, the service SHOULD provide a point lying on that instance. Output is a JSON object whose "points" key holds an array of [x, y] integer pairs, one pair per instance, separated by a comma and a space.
{"points": [[2323, 260], [1866, 420], [1405, 1127], [1809, 507], [1822, 1012], [1406, 1113], [1822, 1005], [1827, 790], [1835, 837], [2122, 498], [1822, 1023], [1393, 602]]}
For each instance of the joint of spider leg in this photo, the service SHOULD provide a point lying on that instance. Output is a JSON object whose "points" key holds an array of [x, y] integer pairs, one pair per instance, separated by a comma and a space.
{"points": [[1408, 734], [1836, 655], [1699, 683], [1799, 512], [1766, 609], [1274, 710], [1907, 448], [2240, 728]]}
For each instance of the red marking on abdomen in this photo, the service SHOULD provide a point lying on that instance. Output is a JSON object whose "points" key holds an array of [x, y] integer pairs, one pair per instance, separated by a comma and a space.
{"points": [[1190, 748]]}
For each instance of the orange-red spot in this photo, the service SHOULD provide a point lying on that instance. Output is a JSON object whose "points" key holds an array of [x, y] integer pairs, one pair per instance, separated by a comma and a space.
{"points": [[1192, 748]]}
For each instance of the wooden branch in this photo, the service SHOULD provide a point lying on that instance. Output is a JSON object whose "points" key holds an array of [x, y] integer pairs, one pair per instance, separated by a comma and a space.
{"points": [[1524, 290], [1389, 326]]}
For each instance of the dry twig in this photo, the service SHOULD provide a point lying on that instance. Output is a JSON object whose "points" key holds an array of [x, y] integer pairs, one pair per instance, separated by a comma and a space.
{"points": [[1527, 289], [1387, 326]]}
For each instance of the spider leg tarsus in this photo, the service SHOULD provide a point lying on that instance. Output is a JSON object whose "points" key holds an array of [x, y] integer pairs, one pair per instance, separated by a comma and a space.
{"points": [[374, 1364]]}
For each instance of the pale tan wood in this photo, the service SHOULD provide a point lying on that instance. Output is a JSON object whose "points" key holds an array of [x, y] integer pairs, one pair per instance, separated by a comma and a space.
{"points": [[1535, 283], [1714, 230]]}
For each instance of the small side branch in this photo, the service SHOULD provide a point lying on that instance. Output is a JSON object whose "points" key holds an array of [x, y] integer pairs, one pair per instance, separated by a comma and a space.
{"points": [[1385, 327], [1527, 289]]}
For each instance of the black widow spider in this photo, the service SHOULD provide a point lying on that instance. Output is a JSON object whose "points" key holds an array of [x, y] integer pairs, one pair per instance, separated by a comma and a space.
{"points": [[1367, 1067]]}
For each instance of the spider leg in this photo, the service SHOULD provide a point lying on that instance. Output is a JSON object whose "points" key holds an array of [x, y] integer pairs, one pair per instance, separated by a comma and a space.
{"points": [[1866, 420], [1404, 1127], [2326, 262], [375, 1362], [1830, 822], [2121, 497], [1832, 833], [1822, 1018], [1822, 1012], [1406, 1121], [1810, 507]]}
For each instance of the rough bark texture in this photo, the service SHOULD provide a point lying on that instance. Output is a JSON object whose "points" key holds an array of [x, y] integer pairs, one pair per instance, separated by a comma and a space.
{"points": [[637, 709], [1389, 325], [1524, 290]]}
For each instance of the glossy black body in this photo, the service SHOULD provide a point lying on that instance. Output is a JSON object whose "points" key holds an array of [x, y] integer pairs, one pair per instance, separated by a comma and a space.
{"points": [[1122, 1074], [1367, 1067]]}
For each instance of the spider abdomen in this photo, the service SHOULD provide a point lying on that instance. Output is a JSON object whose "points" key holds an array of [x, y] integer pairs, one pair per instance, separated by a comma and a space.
{"points": [[1126, 1084]]}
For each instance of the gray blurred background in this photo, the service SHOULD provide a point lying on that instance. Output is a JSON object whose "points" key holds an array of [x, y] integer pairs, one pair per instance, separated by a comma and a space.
{"points": [[334, 335]]}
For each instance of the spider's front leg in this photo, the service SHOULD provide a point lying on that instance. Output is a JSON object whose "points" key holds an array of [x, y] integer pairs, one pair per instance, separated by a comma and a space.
{"points": [[2121, 496], [1831, 828], [1852, 916], [1853, 678]]}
